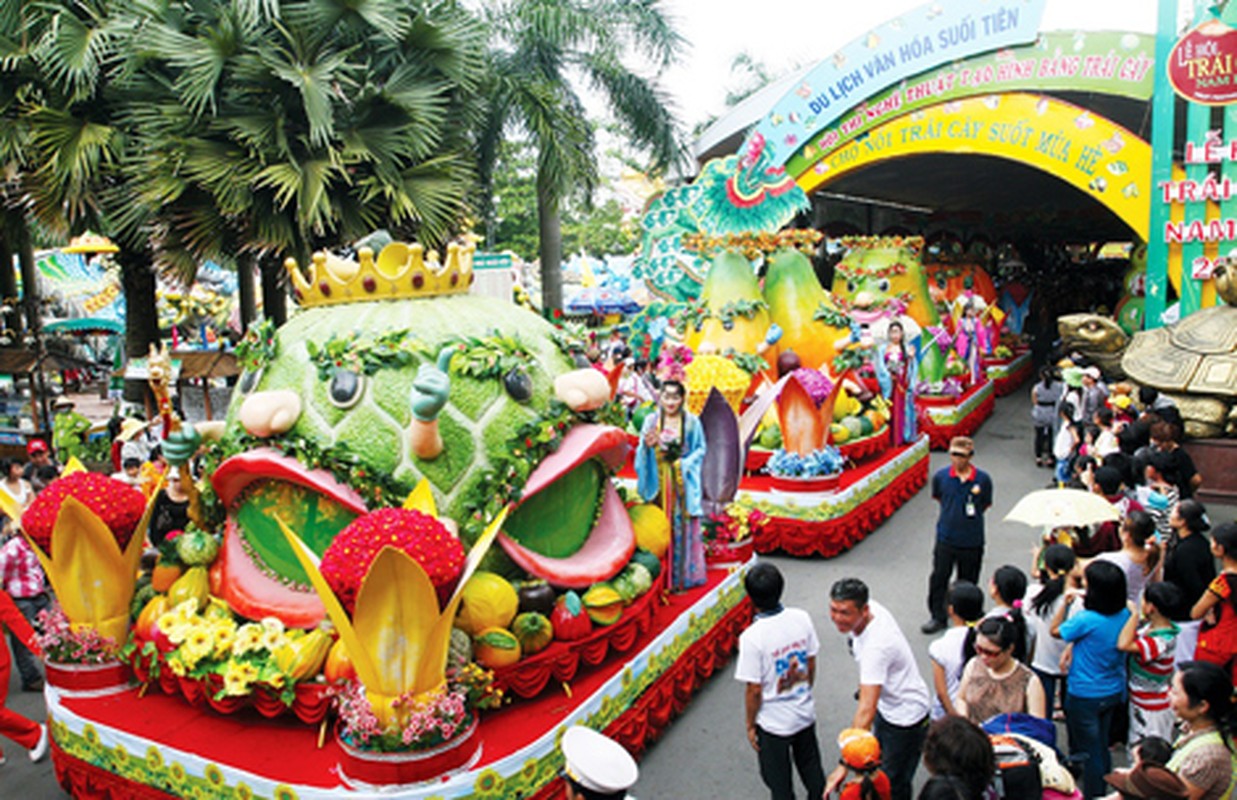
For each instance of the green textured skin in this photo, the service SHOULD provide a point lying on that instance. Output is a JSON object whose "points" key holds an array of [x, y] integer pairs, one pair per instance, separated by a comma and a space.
{"points": [[478, 421], [867, 261]]}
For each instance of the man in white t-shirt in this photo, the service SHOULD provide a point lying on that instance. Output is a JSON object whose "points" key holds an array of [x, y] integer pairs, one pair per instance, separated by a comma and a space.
{"points": [[893, 698], [777, 662]]}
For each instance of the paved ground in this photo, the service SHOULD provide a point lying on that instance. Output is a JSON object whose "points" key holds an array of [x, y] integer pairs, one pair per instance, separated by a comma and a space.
{"points": [[705, 753]]}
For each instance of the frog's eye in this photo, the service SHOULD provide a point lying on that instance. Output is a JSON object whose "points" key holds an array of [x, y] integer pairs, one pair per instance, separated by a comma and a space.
{"points": [[851, 286], [346, 388], [518, 385], [249, 380], [883, 285]]}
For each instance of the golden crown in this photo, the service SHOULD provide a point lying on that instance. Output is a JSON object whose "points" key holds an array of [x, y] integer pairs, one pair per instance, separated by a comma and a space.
{"points": [[400, 270]]}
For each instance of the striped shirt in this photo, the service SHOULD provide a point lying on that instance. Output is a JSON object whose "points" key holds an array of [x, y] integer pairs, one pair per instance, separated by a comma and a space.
{"points": [[20, 572], [1151, 668]]}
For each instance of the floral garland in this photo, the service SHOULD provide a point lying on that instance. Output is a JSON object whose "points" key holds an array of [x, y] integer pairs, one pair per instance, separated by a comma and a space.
{"points": [[750, 363], [570, 339], [753, 245], [258, 347], [491, 357], [889, 271], [390, 350], [852, 357], [748, 309], [503, 483], [914, 244], [832, 316], [693, 317]]}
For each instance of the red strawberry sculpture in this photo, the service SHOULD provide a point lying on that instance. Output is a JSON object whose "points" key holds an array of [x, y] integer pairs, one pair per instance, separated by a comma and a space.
{"points": [[424, 538], [119, 506]]}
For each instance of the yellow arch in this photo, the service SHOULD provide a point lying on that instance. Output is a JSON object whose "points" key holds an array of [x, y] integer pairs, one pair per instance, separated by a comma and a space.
{"points": [[1096, 156]]}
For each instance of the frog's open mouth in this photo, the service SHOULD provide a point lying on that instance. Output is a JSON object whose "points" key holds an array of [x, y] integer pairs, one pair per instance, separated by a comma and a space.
{"points": [[571, 529], [258, 574]]}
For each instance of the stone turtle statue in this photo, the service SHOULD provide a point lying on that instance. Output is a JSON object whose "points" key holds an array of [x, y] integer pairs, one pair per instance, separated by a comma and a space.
{"points": [[1193, 362]]}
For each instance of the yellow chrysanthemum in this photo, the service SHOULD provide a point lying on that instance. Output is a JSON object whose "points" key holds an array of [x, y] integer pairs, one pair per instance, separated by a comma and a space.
{"points": [[224, 638], [272, 640], [248, 639], [178, 632]]}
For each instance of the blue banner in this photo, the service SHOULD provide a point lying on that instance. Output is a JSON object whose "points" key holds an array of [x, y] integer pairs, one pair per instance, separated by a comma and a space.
{"points": [[919, 40]]}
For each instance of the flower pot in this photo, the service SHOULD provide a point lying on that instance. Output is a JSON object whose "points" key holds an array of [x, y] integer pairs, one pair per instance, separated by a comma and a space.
{"points": [[825, 483], [88, 680], [360, 769]]}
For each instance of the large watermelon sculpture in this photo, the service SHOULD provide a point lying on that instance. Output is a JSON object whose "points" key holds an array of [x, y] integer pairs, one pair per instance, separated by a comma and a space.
{"points": [[390, 373]]}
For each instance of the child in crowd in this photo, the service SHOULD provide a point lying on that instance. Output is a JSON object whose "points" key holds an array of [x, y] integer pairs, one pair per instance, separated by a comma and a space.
{"points": [[1065, 444], [861, 755], [1152, 649], [1007, 589], [129, 473], [1159, 495], [1217, 641], [1058, 563], [965, 606], [27, 733], [1148, 776]]}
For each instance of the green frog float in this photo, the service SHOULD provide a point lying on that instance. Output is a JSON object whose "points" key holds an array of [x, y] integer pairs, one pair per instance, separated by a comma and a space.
{"points": [[392, 372]]}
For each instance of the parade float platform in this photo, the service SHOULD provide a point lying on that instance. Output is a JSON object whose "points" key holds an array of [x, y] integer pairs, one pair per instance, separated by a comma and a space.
{"points": [[830, 521], [156, 746], [943, 418], [1007, 374]]}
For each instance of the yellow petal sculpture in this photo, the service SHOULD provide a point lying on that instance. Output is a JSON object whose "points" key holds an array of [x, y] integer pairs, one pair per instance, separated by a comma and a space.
{"points": [[397, 638], [92, 578]]}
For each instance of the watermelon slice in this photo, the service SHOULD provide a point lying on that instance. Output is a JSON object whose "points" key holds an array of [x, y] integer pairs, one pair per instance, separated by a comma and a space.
{"points": [[256, 572], [570, 550], [609, 547]]}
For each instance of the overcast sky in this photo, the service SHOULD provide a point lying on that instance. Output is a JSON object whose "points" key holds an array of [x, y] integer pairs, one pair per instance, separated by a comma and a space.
{"points": [[783, 34]]}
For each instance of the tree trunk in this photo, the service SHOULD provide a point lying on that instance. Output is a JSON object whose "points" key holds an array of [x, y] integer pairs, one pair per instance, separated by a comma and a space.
{"points": [[549, 226], [29, 279], [274, 298], [141, 319], [244, 282], [8, 283]]}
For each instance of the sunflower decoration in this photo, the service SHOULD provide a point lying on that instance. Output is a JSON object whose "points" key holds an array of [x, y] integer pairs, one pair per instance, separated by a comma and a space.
{"points": [[400, 573], [86, 531]]}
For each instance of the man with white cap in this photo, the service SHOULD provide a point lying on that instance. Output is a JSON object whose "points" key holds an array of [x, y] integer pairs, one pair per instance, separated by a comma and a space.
{"points": [[595, 766]]}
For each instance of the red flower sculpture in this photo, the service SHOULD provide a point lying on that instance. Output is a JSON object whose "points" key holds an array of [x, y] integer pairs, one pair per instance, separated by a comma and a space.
{"points": [[424, 538], [119, 505]]}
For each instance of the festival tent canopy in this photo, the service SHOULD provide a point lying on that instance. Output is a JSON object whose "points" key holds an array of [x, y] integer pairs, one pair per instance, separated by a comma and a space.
{"points": [[85, 326], [598, 300]]}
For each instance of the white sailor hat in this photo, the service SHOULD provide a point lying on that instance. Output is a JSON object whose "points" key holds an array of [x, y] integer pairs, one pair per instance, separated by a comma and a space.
{"points": [[597, 762]]}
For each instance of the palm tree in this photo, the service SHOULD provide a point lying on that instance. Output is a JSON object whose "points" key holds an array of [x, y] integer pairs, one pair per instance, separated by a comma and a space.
{"points": [[538, 47], [62, 78], [285, 127]]}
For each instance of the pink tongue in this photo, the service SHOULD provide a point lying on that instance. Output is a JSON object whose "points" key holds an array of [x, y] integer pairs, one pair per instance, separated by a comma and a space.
{"points": [[609, 546], [580, 444]]}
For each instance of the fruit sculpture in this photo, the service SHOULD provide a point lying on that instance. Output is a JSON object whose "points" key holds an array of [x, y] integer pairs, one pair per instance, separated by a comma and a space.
{"points": [[881, 277], [708, 372], [392, 373]]}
